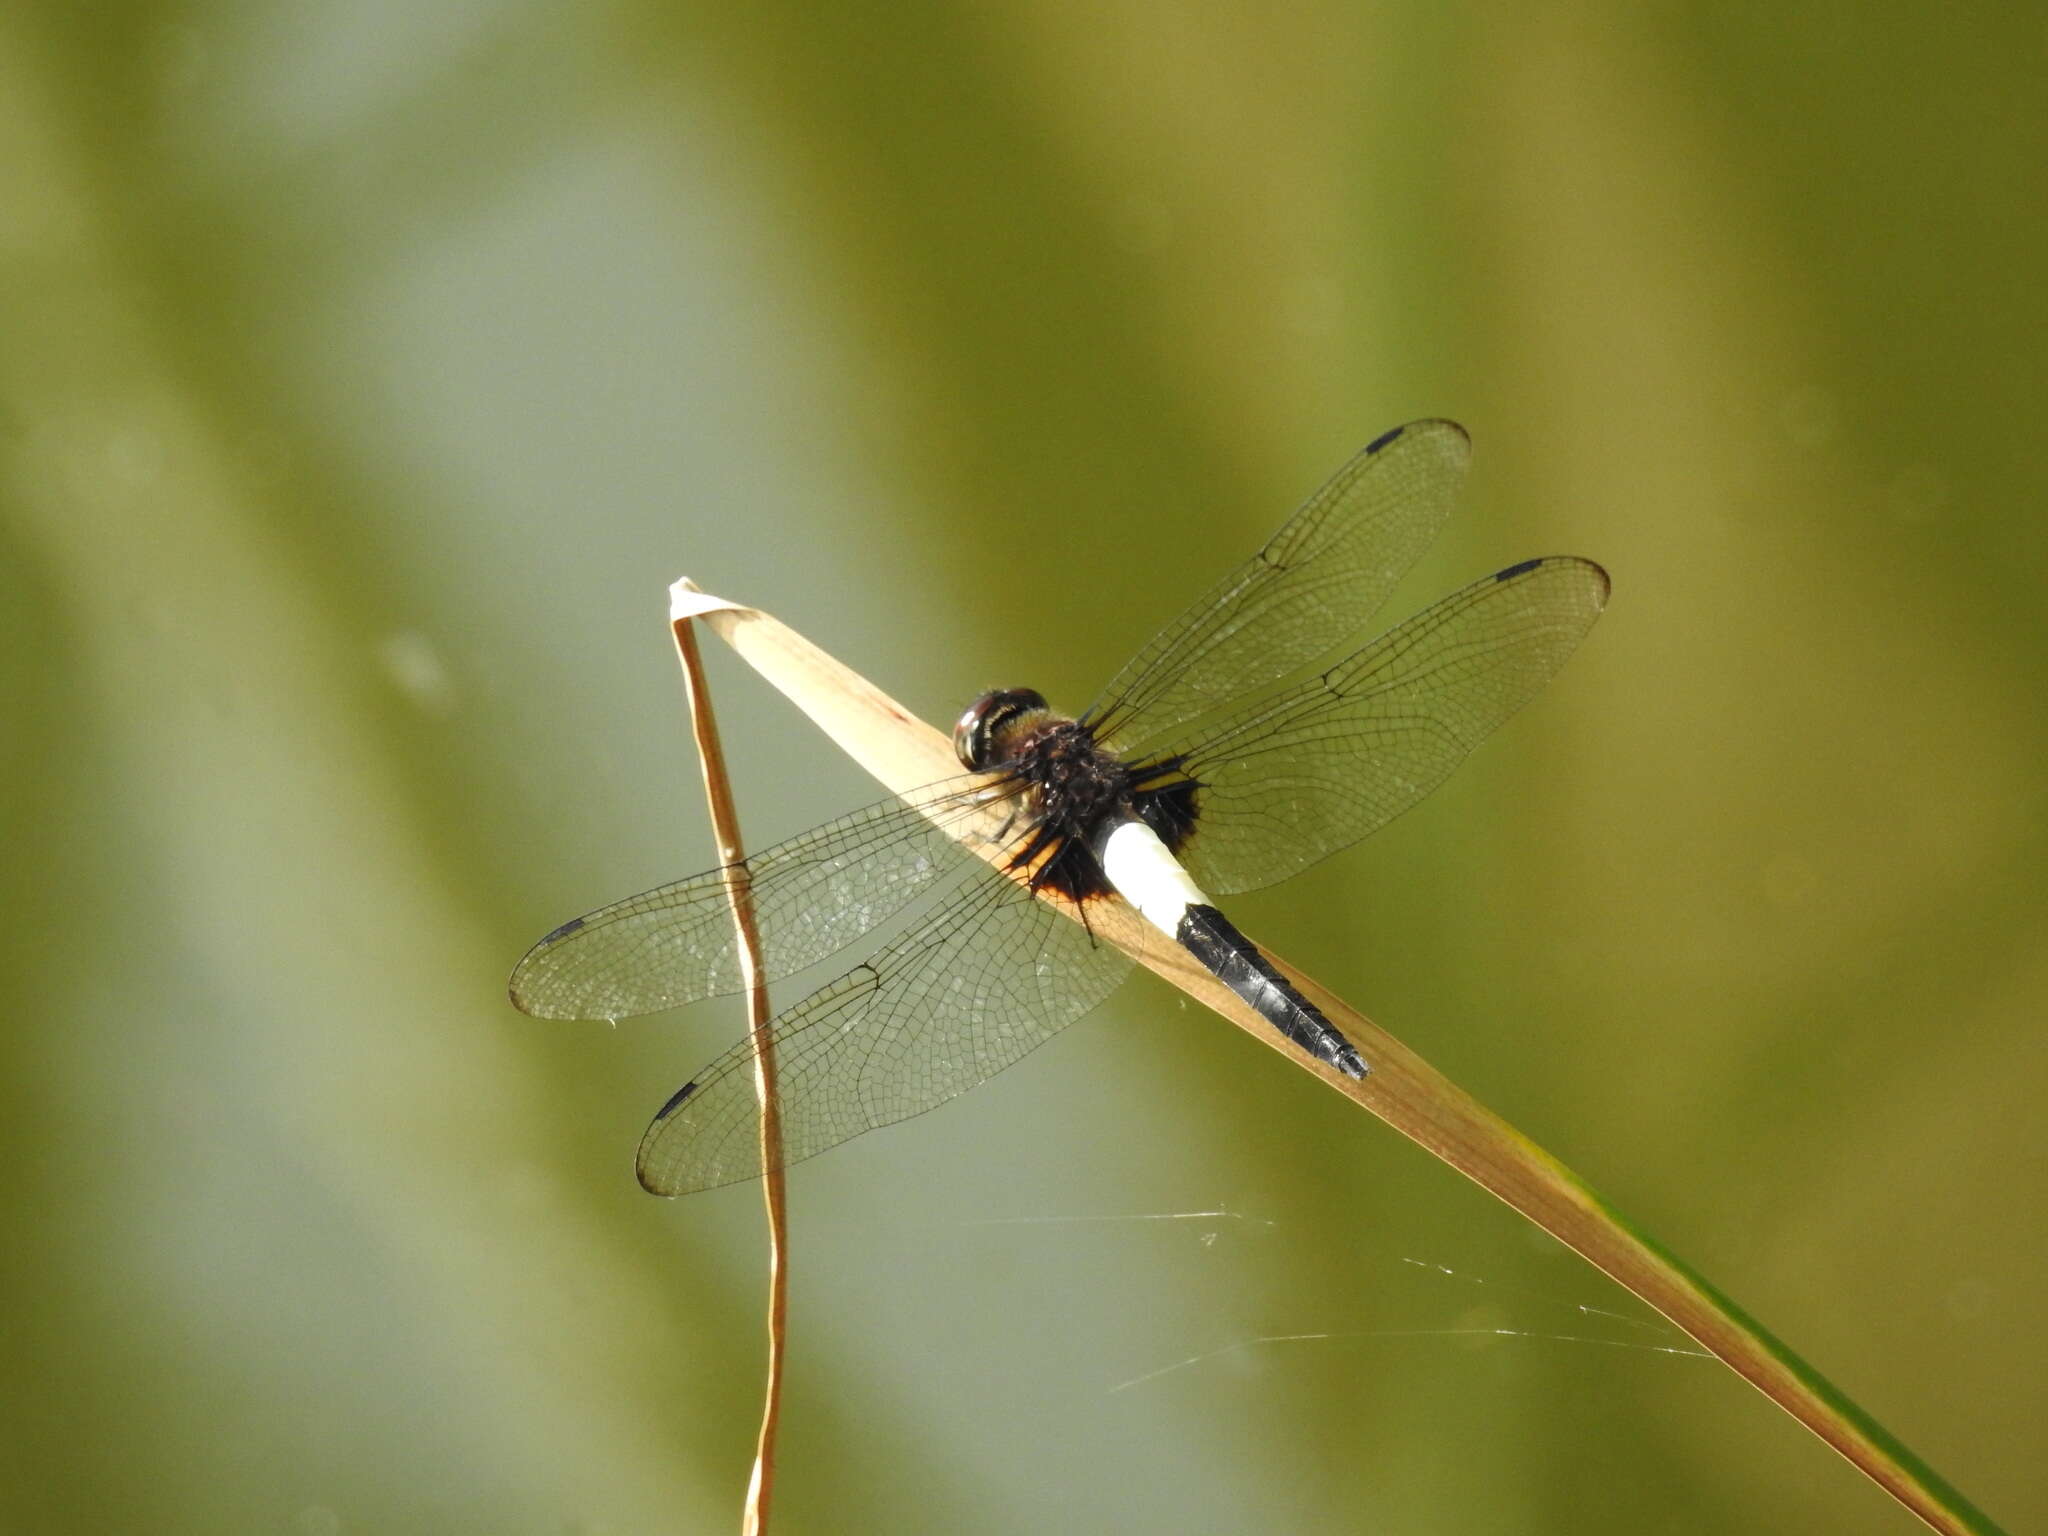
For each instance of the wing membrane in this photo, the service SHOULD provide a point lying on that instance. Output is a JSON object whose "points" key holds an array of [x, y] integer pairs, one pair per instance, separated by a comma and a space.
{"points": [[812, 895], [1315, 583], [1316, 767], [988, 977], [1289, 773]]}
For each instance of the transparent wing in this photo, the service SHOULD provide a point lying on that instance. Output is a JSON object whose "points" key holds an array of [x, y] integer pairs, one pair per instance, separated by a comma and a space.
{"points": [[1316, 767], [993, 973], [1314, 584], [812, 896]]}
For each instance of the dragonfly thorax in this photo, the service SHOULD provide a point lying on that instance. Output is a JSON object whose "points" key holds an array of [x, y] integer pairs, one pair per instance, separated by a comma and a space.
{"points": [[1068, 789], [1069, 781]]}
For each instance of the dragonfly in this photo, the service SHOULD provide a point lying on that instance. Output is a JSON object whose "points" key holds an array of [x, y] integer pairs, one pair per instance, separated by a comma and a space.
{"points": [[1249, 739]]}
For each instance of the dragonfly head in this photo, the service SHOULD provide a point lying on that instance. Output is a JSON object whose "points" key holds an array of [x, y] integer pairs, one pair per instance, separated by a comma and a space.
{"points": [[982, 738]]}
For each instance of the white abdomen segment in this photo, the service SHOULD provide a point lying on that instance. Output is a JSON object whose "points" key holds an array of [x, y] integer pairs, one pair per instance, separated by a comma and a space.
{"points": [[1148, 876]]}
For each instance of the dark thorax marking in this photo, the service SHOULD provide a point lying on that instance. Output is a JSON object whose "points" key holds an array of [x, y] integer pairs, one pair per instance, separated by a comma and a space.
{"points": [[1067, 788]]}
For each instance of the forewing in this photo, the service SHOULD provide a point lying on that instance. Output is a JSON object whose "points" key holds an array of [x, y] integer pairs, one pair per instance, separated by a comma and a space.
{"points": [[992, 974], [811, 896], [1316, 767], [1315, 583]]}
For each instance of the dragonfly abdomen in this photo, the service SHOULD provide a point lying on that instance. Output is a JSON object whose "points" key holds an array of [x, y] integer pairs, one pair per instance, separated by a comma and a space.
{"points": [[1235, 961], [1151, 879]]}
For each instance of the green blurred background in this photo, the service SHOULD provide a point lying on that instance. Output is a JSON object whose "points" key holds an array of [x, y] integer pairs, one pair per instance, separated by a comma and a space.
{"points": [[366, 373]]}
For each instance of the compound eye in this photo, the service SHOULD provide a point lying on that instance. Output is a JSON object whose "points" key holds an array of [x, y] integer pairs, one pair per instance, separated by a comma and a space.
{"points": [[969, 742], [976, 737]]}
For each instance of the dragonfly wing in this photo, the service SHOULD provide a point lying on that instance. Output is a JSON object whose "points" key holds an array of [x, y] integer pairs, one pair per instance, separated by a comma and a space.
{"points": [[1314, 584], [811, 896], [1314, 768], [982, 981]]}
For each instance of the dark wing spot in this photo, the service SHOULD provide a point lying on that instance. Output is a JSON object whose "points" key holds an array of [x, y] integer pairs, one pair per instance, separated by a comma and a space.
{"points": [[562, 932], [1384, 438], [675, 1102], [1517, 570]]}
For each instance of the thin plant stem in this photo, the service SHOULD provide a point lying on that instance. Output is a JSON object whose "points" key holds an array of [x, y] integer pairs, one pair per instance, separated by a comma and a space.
{"points": [[726, 829]]}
